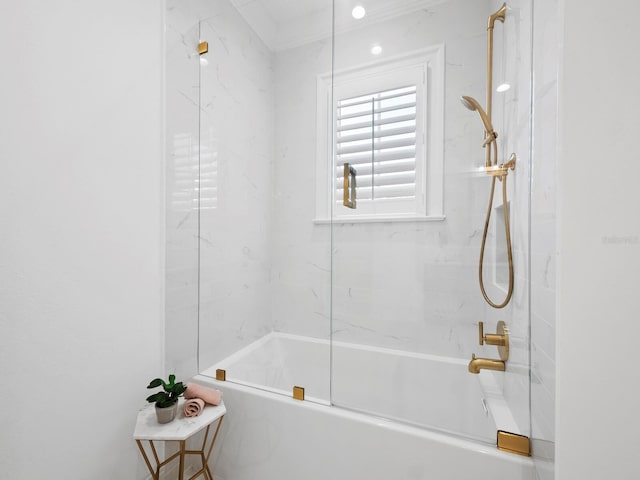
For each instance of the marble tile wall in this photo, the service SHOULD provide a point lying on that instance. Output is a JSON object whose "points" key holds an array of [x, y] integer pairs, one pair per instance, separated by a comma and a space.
{"points": [[411, 285], [301, 255]]}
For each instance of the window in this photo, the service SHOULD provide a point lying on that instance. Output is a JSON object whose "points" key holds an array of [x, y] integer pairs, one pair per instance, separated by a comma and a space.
{"points": [[386, 122]]}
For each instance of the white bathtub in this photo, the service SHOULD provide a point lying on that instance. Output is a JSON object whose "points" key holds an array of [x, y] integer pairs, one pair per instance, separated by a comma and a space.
{"points": [[268, 435]]}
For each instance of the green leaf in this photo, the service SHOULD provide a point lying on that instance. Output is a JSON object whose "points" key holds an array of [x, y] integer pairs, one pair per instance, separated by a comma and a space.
{"points": [[155, 383], [165, 403], [155, 397]]}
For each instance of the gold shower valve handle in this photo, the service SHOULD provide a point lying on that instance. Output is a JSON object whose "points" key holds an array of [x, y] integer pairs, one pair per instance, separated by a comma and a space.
{"points": [[489, 338], [499, 339]]}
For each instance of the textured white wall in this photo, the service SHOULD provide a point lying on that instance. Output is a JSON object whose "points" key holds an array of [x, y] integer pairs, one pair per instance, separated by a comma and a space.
{"points": [[598, 385], [82, 234]]}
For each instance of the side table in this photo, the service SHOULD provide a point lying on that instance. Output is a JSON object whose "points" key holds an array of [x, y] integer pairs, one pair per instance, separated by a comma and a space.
{"points": [[180, 429]]}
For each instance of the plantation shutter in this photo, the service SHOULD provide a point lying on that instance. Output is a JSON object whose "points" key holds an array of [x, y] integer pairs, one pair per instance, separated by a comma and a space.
{"points": [[376, 134]]}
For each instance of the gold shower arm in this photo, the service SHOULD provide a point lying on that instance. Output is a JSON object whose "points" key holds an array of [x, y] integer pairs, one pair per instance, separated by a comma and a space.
{"points": [[499, 15]]}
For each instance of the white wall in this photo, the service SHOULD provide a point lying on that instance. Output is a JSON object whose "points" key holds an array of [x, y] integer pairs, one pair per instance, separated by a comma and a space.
{"points": [[599, 243], [82, 234]]}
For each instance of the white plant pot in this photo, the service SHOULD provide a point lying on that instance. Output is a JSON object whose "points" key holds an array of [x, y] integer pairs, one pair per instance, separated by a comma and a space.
{"points": [[166, 414]]}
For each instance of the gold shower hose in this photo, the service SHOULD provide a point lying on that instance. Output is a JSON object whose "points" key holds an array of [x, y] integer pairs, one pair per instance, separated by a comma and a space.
{"points": [[507, 229]]}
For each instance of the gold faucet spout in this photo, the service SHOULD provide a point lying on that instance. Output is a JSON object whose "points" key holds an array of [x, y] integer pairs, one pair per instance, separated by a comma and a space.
{"points": [[477, 364]]}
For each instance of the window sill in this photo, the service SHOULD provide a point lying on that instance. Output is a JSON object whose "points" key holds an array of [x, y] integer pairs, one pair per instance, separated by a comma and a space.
{"points": [[379, 219]]}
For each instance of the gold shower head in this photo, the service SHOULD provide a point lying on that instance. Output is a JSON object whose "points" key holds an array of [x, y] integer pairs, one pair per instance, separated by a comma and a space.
{"points": [[473, 105]]}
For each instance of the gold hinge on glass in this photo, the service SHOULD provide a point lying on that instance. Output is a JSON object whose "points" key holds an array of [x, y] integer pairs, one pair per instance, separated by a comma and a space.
{"points": [[298, 393], [221, 375], [203, 47], [349, 186], [513, 443]]}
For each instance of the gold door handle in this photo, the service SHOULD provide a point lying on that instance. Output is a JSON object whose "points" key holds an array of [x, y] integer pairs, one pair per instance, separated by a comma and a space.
{"points": [[349, 186]]}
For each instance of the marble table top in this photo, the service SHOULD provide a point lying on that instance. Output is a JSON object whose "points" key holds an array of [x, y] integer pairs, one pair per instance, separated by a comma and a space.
{"points": [[181, 428]]}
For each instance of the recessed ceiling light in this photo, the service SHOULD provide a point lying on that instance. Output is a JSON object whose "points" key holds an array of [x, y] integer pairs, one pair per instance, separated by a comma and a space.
{"points": [[376, 50], [358, 12], [503, 87]]}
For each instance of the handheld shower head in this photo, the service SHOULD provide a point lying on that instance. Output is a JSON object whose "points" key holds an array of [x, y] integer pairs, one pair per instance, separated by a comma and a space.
{"points": [[473, 105], [489, 135], [469, 102]]}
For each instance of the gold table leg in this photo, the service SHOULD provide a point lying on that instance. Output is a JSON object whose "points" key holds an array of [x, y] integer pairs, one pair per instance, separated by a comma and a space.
{"points": [[181, 468], [154, 473], [205, 470], [215, 436]]}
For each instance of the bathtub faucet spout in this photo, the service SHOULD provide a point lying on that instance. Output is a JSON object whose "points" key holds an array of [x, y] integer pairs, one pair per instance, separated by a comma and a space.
{"points": [[477, 364]]}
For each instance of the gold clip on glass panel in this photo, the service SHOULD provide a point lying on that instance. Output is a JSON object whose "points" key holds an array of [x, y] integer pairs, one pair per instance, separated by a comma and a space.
{"points": [[298, 393], [203, 47], [349, 186], [221, 375], [513, 443]]}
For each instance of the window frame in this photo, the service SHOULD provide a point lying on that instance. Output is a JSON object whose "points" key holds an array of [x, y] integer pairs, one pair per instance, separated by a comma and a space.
{"points": [[378, 76]]}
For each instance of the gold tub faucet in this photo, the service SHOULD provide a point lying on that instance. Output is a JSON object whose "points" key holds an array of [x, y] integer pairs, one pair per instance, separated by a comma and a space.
{"points": [[501, 340], [477, 364]]}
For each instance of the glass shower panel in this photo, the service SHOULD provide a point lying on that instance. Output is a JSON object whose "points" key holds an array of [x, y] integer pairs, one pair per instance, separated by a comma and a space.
{"points": [[512, 116], [236, 139], [182, 146], [405, 297], [264, 263]]}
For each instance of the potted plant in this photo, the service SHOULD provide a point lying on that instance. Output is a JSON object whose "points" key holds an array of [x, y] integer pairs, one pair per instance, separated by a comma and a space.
{"points": [[166, 400]]}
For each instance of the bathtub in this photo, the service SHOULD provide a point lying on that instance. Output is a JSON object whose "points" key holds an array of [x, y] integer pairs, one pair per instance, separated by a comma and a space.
{"points": [[392, 418]]}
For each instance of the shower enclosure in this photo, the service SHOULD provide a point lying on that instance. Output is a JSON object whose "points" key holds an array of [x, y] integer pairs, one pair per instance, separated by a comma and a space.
{"points": [[268, 260]]}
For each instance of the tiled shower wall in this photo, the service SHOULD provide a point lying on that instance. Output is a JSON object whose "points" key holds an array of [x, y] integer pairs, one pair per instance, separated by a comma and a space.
{"points": [[405, 285]]}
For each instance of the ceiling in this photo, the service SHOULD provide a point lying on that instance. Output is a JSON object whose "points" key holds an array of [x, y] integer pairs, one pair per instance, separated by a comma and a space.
{"points": [[283, 24]]}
